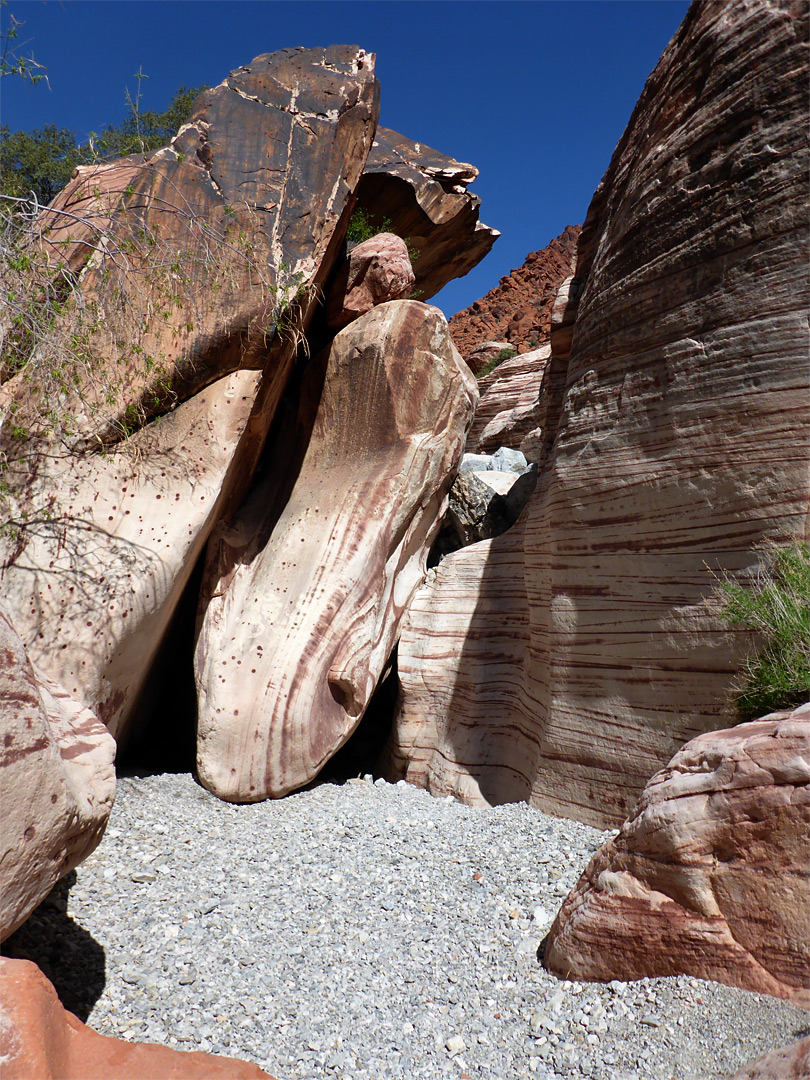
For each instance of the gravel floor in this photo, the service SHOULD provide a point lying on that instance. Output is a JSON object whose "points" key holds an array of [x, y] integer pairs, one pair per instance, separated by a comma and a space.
{"points": [[365, 932]]}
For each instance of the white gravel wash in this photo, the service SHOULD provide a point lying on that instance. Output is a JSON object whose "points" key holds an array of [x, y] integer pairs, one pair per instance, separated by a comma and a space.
{"points": [[371, 932]]}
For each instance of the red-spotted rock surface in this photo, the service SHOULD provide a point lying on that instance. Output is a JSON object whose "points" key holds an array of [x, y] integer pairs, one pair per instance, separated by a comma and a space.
{"points": [[57, 782], [518, 310], [375, 271], [40, 1040], [423, 195], [710, 876], [305, 588], [207, 246], [568, 660], [788, 1063]]}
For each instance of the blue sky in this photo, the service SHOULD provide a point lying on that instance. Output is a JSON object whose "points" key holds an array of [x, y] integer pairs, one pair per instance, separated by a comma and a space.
{"points": [[536, 94]]}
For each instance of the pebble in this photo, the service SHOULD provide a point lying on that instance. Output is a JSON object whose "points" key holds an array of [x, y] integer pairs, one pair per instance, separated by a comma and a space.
{"points": [[365, 931]]}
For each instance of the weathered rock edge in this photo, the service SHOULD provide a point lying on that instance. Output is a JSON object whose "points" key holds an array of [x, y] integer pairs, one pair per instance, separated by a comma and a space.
{"points": [[39, 1038], [710, 876]]}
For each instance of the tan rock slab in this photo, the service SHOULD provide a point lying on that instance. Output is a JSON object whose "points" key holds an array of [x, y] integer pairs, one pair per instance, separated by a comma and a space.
{"points": [[57, 782]]}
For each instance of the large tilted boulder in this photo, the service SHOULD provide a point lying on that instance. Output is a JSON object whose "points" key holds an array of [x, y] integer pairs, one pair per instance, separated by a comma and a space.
{"points": [[57, 782], [41, 1040], [208, 246], [511, 406], [711, 874], [423, 195], [566, 661], [306, 586]]}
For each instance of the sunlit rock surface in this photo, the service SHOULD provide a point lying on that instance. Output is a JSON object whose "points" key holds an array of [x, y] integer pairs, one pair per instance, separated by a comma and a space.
{"points": [[57, 782], [710, 876], [305, 588], [566, 661]]}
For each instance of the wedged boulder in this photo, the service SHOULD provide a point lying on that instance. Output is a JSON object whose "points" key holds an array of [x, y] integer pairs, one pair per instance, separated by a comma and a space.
{"points": [[305, 588], [205, 273], [510, 406], [423, 194], [39, 1038], [575, 654], [93, 587], [57, 782], [710, 876], [479, 356], [375, 271]]}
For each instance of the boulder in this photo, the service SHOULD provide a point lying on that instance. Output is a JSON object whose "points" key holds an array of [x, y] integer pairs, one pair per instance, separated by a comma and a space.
{"points": [[517, 311], [375, 271], [39, 1038], [206, 271], [306, 586], [422, 196], [787, 1063], [710, 876], [569, 659], [479, 356], [510, 406], [57, 782]]}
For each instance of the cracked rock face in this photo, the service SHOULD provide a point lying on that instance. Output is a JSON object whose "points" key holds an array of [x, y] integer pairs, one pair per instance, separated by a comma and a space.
{"points": [[57, 782], [306, 587], [210, 243], [710, 876], [675, 433]]}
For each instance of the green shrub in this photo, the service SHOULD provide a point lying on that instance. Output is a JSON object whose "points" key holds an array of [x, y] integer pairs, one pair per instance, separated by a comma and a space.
{"points": [[362, 228], [775, 607], [496, 361]]}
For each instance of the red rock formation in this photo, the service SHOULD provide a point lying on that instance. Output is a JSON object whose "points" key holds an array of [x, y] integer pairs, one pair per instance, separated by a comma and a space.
{"points": [[518, 310], [40, 1040], [710, 876], [570, 658], [57, 782], [374, 272], [305, 588]]}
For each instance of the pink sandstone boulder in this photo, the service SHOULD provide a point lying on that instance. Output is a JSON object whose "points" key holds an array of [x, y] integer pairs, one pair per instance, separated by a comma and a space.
{"points": [[710, 876], [567, 660], [57, 782], [788, 1063], [375, 271], [306, 586], [40, 1040]]}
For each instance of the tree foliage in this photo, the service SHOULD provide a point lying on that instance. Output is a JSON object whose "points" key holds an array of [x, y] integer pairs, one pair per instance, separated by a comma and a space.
{"points": [[41, 162]]}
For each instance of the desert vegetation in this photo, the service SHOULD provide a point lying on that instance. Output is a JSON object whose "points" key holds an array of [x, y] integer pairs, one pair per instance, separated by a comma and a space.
{"points": [[775, 607]]}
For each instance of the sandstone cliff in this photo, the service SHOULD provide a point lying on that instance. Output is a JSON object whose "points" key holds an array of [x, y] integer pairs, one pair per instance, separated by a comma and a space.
{"points": [[569, 659]]}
